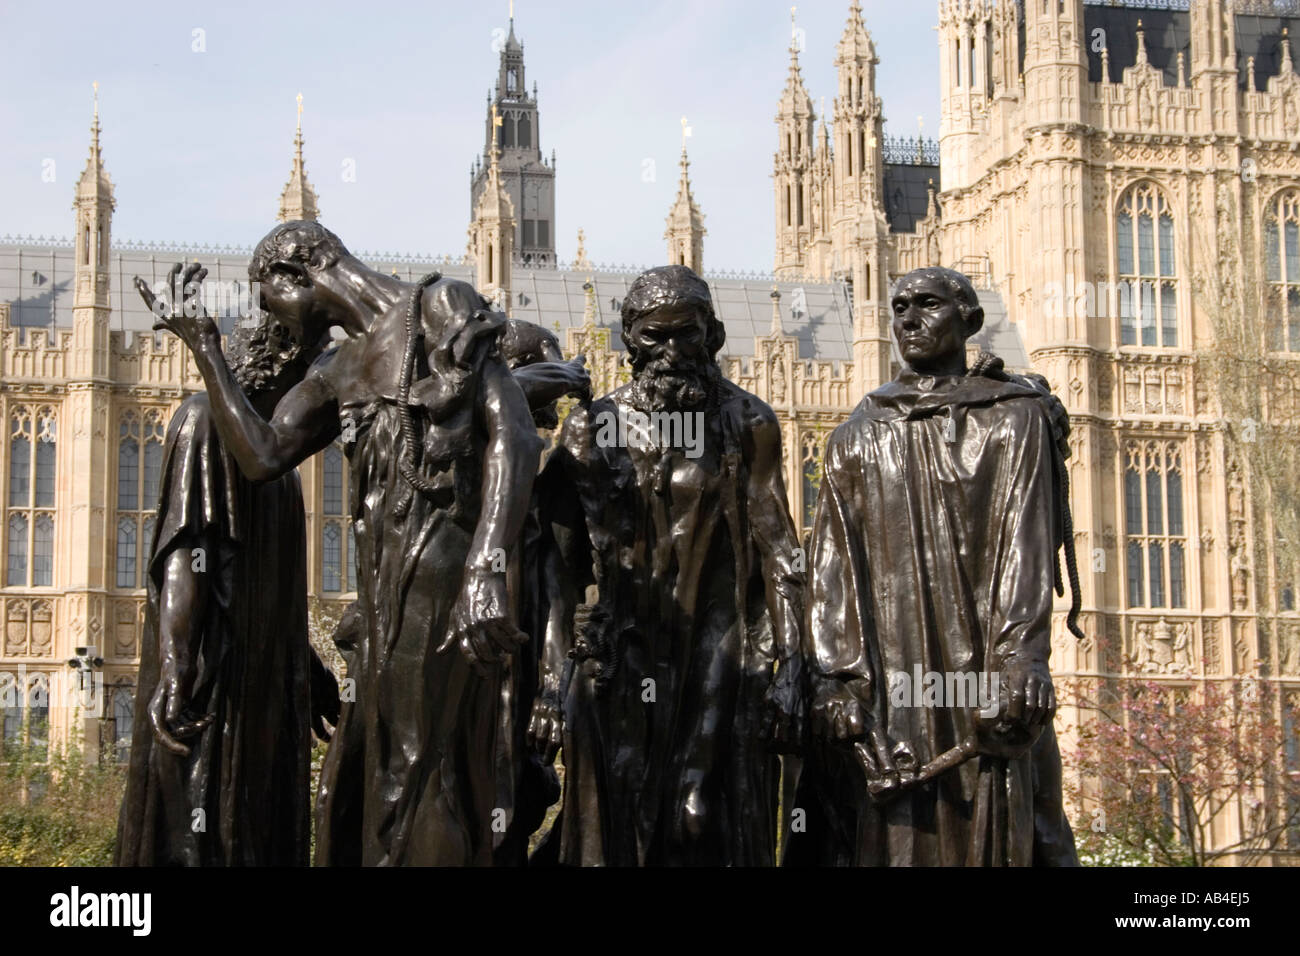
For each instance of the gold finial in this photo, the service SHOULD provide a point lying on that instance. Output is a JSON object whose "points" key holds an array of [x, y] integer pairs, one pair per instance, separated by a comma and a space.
{"points": [[792, 10], [512, 9], [300, 112]]}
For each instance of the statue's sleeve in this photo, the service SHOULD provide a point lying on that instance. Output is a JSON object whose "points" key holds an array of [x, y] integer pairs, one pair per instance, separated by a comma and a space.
{"points": [[1021, 615], [775, 537], [840, 631], [565, 548], [197, 499]]}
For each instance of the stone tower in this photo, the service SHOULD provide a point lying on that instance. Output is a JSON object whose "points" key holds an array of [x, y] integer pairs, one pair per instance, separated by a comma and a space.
{"points": [[492, 233], [685, 231], [81, 556], [298, 199], [528, 178], [791, 172], [860, 243]]}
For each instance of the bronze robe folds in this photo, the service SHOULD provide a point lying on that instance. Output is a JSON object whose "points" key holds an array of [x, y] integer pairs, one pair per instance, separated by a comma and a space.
{"points": [[681, 552], [249, 770], [934, 548]]}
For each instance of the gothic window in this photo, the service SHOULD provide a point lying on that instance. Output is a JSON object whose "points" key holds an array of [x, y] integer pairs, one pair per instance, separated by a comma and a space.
{"points": [[123, 716], [29, 526], [1155, 529], [525, 132], [38, 716], [512, 80], [1282, 262], [510, 129], [331, 557], [1147, 273], [11, 711], [139, 481], [337, 551]]}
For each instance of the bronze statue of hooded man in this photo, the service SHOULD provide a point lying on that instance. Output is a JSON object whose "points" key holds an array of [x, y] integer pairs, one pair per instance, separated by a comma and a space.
{"points": [[671, 663], [934, 561]]}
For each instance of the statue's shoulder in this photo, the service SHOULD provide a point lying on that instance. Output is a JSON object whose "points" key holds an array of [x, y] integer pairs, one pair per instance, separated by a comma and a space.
{"points": [[193, 418], [749, 411]]}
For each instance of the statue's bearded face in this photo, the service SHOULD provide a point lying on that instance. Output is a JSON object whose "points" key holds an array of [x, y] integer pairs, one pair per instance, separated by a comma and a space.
{"points": [[670, 356], [930, 325]]}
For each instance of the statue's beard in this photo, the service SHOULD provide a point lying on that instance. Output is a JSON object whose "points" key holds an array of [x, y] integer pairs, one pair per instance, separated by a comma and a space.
{"points": [[665, 385]]}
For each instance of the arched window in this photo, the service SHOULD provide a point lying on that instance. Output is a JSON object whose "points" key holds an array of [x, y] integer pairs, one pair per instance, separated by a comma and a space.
{"points": [[1154, 525], [123, 717], [29, 533], [338, 551], [46, 455], [139, 483], [16, 572], [332, 503], [1147, 270], [11, 709], [128, 464], [43, 551], [38, 716], [20, 459], [1282, 265], [331, 557], [126, 552], [525, 132]]}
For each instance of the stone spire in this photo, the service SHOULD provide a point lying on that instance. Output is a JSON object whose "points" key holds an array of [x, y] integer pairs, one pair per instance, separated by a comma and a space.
{"points": [[94, 206], [685, 232], [492, 233], [298, 199], [791, 167]]}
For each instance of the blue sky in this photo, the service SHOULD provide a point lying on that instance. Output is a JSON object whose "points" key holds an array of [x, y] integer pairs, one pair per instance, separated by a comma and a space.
{"points": [[199, 143]]}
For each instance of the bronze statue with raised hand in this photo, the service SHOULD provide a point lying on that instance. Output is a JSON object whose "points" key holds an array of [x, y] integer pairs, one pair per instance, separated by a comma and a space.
{"points": [[442, 453], [220, 756]]}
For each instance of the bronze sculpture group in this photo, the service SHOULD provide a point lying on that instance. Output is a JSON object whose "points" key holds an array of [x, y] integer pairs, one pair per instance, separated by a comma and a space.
{"points": [[641, 608]]}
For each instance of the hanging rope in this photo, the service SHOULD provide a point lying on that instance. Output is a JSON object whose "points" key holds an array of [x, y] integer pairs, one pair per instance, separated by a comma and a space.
{"points": [[408, 458]]}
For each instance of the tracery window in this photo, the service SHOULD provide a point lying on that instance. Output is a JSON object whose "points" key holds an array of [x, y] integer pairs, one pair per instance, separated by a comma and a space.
{"points": [[1155, 525], [1282, 265], [139, 481], [31, 494], [1147, 268]]}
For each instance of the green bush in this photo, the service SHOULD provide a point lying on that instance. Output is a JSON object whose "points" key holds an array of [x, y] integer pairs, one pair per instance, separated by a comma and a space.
{"points": [[58, 812]]}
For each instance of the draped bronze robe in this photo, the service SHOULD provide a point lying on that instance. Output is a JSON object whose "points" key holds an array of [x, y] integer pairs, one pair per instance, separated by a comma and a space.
{"points": [[249, 770], [683, 558], [934, 545]]}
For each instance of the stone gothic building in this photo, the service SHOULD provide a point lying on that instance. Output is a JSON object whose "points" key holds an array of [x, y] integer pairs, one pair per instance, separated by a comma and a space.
{"points": [[1085, 150]]}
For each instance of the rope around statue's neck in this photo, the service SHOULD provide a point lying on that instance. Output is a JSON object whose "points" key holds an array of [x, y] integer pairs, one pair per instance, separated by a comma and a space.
{"points": [[408, 455]]}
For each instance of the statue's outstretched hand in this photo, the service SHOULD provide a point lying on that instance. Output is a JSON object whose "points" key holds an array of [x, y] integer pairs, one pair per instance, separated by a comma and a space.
{"points": [[179, 309], [481, 623]]}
